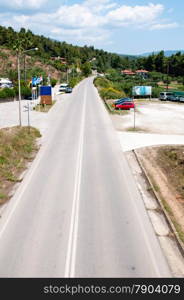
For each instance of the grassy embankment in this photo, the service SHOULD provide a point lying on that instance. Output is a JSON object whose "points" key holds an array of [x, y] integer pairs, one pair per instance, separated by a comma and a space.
{"points": [[108, 92], [171, 161], [17, 147]]}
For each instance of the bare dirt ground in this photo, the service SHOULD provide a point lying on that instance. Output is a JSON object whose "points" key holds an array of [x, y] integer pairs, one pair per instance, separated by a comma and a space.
{"points": [[167, 182]]}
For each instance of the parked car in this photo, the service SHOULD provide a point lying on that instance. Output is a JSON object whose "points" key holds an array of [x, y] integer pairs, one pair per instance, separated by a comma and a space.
{"points": [[172, 96], [68, 90], [121, 100], [125, 105], [63, 87], [165, 96], [5, 83]]}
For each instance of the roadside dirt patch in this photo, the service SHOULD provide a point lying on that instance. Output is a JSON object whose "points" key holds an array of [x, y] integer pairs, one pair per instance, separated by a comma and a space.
{"points": [[17, 147], [165, 167]]}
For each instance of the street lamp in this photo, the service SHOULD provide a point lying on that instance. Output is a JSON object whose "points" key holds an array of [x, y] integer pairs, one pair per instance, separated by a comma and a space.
{"points": [[167, 75], [19, 85], [33, 49]]}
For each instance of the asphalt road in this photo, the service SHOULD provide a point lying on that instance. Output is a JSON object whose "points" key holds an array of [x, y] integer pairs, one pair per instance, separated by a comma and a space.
{"points": [[77, 212]]}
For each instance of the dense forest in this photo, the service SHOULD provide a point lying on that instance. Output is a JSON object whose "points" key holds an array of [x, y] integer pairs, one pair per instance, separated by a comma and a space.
{"points": [[48, 48], [174, 64], [78, 56]]}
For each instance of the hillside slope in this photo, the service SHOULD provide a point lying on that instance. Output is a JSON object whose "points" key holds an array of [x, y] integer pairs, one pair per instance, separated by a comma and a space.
{"points": [[34, 66]]}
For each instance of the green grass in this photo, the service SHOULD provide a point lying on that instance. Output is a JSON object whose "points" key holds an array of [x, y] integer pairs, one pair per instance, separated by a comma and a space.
{"points": [[2, 196], [17, 147], [113, 111], [136, 129]]}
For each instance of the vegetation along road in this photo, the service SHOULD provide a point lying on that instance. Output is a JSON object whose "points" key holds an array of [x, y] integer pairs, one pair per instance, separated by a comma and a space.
{"points": [[78, 212]]}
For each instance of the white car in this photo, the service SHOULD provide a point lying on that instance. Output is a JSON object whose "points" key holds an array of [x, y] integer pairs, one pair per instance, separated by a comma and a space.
{"points": [[63, 87]]}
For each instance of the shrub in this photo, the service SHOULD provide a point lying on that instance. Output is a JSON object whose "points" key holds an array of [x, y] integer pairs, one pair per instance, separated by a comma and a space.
{"points": [[3, 94], [126, 87], [25, 91], [156, 91], [111, 93], [75, 80], [157, 76], [7, 93], [102, 82], [53, 82]]}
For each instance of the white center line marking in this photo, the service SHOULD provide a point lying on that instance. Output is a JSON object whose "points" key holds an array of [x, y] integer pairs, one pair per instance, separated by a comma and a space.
{"points": [[72, 242]]}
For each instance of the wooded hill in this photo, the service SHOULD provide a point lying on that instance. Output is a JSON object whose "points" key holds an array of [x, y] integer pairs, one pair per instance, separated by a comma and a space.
{"points": [[49, 48], [77, 57]]}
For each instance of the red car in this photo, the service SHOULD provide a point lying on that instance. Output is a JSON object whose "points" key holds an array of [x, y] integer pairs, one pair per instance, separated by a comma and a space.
{"points": [[125, 105]]}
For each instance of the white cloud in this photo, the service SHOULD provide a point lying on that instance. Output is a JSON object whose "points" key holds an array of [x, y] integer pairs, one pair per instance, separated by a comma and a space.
{"points": [[78, 16], [89, 22], [84, 35], [23, 4], [164, 26], [99, 5], [95, 13], [135, 14]]}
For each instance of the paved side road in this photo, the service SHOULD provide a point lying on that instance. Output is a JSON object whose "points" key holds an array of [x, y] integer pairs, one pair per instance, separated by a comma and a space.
{"points": [[158, 123], [130, 141], [78, 212], [9, 113]]}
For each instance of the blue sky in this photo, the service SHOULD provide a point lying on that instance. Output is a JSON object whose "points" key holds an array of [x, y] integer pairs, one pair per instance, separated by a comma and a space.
{"points": [[121, 26]]}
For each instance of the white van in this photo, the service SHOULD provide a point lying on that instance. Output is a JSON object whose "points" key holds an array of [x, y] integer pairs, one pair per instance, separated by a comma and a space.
{"points": [[165, 96]]}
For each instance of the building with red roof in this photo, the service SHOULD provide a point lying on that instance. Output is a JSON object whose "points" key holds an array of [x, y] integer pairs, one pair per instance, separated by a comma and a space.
{"points": [[127, 72], [142, 72]]}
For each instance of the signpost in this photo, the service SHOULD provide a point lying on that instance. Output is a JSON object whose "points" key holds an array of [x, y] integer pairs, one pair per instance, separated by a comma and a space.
{"points": [[27, 107], [142, 90], [46, 95]]}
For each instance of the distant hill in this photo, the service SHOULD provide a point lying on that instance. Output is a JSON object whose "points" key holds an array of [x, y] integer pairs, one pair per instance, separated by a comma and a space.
{"points": [[166, 53], [131, 57]]}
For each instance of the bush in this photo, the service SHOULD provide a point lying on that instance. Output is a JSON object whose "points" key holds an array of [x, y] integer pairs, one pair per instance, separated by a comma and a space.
{"points": [[3, 94], [10, 92], [75, 80], [156, 92], [157, 76], [25, 91], [102, 82], [7, 93], [126, 87], [111, 93], [53, 82]]}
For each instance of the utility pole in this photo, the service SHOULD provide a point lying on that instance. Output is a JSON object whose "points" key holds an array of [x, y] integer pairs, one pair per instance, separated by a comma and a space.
{"points": [[167, 75], [134, 114], [19, 53], [67, 74], [18, 62], [24, 67]]}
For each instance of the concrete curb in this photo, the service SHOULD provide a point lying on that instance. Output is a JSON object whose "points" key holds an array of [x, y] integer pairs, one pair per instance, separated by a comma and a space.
{"points": [[157, 197]]}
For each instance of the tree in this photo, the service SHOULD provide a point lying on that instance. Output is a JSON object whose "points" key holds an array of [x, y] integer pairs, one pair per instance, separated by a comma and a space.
{"points": [[159, 62], [86, 69]]}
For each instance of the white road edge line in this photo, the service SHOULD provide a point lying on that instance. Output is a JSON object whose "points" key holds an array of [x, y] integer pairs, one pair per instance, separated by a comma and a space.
{"points": [[72, 241], [20, 191]]}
